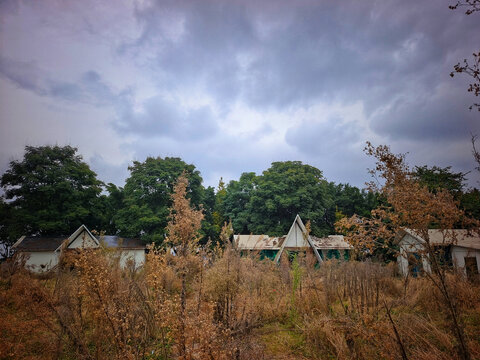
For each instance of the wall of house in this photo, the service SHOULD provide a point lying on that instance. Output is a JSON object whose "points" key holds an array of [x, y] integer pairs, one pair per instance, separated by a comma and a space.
{"points": [[460, 253], [411, 245], [40, 261], [83, 241], [137, 256], [295, 238]]}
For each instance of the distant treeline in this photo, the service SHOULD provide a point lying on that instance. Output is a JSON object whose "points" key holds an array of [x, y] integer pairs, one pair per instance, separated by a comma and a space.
{"points": [[52, 191]]}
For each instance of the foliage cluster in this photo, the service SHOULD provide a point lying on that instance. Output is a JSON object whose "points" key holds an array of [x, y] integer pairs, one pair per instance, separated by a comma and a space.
{"points": [[52, 191]]}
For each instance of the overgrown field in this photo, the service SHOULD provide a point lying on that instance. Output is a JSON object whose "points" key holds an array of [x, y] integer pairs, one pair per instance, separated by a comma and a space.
{"points": [[232, 307]]}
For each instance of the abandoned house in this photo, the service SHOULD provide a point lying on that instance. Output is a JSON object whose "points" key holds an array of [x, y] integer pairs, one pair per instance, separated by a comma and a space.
{"points": [[456, 248], [297, 239], [43, 253]]}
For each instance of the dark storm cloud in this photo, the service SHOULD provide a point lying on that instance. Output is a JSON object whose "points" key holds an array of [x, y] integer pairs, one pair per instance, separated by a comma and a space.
{"points": [[323, 138], [268, 59], [88, 89], [159, 117], [304, 51], [428, 117]]}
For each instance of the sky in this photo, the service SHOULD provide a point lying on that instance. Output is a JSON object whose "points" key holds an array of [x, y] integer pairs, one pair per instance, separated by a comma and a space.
{"points": [[232, 86]]}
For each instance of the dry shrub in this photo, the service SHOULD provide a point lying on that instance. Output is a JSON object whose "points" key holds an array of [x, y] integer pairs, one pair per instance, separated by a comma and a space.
{"points": [[246, 293], [325, 338], [357, 287], [236, 307]]}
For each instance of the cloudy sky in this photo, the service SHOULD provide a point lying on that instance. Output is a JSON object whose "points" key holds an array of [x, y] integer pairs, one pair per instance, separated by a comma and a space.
{"points": [[233, 85]]}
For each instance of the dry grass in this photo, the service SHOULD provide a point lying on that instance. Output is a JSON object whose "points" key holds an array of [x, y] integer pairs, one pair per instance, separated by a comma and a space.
{"points": [[236, 308]]}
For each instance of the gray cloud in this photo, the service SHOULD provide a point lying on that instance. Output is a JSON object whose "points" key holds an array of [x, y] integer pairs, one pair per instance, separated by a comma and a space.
{"points": [[325, 137], [88, 89], [428, 117], [301, 53], [270, 59], [161, 118]]}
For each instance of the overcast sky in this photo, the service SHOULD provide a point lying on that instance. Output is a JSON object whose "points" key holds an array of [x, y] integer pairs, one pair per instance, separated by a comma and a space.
{"points": [[232, 86]]}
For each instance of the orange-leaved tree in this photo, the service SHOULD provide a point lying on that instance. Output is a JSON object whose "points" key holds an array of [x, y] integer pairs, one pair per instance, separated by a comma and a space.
{"points": [[410, 205], [183, 234]]}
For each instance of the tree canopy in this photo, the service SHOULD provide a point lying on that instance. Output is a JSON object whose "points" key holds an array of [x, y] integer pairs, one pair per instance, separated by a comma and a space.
{"points": [[51, 191], [436, 178], [147, 196], [269, 202]]}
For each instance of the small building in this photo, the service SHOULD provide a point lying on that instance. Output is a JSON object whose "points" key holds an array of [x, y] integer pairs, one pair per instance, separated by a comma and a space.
{"points": [[459, 248], [297, 239], [43, 253]]}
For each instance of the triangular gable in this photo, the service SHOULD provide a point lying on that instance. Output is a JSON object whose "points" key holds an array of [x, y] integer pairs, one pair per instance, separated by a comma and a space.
{"points": [[297, 238], [82, 238], [18, 242]]}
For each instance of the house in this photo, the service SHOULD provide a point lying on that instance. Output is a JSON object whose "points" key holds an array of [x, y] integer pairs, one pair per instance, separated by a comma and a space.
{"points": [[297, 239], [459, 248], [43, 253]]}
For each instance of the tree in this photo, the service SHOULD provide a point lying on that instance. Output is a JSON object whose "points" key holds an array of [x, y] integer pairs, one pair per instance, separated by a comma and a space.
{"points": [[470, 68], [183, 234], [209, 230], [285, 190], [10, 228], [350, 200], [108, 206], [50, 192], [410, 205], [147, 196], [470, 203], [437, 178], [237, 198]]}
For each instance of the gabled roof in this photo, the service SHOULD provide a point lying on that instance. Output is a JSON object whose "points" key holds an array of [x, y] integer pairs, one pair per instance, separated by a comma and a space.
{"points": [[87, 236], [298, 237], [38, 243], [258, 242], [331, 242], [295, 239], [458, 237], [54, 243]]}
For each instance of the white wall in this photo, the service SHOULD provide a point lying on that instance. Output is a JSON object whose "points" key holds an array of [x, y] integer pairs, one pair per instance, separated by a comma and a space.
{"points": [[460, 253], [411, 244], [295, 238], [83, 240], [40, 261], [137, 256]]}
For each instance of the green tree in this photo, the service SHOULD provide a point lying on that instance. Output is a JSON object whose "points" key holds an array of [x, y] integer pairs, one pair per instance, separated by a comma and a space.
{"points": [[147, 196], [51, 191], [437, 178], [470, 203], [236, 201], [350, 200], [108, 206], [219, 212], [10, 228], [286, 189], [208, 230]]}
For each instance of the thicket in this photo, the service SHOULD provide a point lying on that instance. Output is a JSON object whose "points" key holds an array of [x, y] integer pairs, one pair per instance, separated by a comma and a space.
{"points": [[218, 305]]}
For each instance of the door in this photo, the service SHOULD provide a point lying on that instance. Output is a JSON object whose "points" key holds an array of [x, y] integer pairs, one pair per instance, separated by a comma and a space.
{"points": [[471, 267]]}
